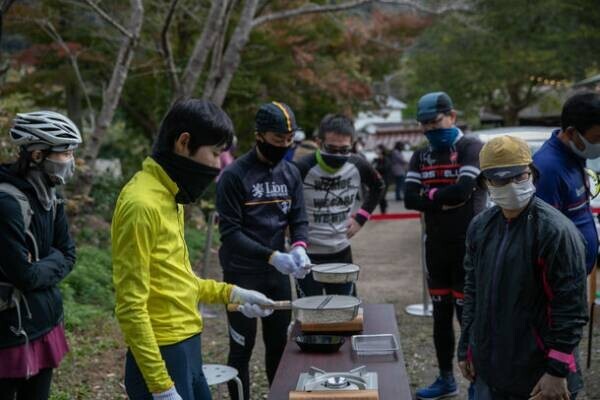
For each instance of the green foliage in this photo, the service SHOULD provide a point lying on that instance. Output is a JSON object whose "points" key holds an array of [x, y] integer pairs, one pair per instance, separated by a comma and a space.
{"points": [[87, 290], [105, 192], [494, 55]]}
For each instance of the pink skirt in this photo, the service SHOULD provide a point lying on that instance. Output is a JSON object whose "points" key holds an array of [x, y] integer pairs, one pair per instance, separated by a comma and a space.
{"points": [[24, 361]]}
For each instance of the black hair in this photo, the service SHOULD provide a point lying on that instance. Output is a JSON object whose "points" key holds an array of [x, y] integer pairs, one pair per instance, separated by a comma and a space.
{"points": [[399, 145], [581, 111], [22, 164], [336, 123], [207, 124]]}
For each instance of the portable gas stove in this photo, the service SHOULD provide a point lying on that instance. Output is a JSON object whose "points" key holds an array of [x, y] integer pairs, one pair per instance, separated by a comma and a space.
{"points": [[317, 384]]}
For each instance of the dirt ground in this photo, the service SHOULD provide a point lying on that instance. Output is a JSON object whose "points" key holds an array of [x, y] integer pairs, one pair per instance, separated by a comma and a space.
{"points": [[389, 254]]}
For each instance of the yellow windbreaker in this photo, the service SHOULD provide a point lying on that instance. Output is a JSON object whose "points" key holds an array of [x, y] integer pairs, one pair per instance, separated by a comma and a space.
{"points": [[157, 293]]}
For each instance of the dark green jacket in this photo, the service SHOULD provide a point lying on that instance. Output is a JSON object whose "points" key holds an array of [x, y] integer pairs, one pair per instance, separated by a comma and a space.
{"points": [[525, 299]]}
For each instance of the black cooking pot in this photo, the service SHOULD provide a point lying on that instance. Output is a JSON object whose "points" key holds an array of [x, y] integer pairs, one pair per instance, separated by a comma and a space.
{"points": [[319, 343]]}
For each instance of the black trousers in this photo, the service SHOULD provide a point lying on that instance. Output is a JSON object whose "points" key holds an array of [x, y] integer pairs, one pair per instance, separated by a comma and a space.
{"points": [[242, 330], [445, 278], [35, 388]]}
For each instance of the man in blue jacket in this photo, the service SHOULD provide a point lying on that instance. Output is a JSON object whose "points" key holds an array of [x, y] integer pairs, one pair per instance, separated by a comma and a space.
{"points": [[259, 196], [563, 181]]}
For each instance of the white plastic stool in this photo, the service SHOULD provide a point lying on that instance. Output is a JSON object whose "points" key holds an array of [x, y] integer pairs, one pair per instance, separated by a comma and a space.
{"points": [[217, 374]]}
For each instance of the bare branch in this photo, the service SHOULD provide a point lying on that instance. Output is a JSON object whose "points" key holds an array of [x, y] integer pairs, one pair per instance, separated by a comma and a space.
{"points": [[166, 46], [109, 19], [49, 28], [415, 5], [112, 93], [309, 9], [6, 5]]}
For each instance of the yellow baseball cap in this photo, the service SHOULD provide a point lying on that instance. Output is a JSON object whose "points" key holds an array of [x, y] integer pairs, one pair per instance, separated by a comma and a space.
{"points": [[504, 157]]}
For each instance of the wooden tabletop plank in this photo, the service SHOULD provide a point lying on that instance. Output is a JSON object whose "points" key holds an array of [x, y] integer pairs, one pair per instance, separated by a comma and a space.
{"points": [[391, 370]]}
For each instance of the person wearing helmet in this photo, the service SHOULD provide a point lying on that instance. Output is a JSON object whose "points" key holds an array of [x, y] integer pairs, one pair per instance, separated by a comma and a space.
{"points": [[156, 290], [259, 196], [525, 287], [441, 183], [37, 253]]}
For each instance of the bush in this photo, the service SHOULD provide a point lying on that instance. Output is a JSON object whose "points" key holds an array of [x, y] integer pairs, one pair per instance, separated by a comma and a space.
{"points": [[88, 290], [105, 192]]}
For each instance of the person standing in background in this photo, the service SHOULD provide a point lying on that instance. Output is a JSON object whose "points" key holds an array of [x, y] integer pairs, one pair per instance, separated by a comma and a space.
{"points": [[563, 181], [399, 169], [383, 166], [441, 182]]}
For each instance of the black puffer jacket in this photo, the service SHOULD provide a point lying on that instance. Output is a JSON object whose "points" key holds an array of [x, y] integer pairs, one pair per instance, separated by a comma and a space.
{"points": [[525, 300], [38, 280]]}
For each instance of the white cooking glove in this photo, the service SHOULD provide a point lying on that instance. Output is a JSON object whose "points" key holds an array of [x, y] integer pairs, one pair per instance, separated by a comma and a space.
{"points": [[302, 262], [251, 301], [284, 262], [170, 394]]}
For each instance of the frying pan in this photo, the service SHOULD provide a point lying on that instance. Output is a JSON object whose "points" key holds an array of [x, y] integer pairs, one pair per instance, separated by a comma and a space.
{"points": [[317, 309], [335, 272], [319, 343]]}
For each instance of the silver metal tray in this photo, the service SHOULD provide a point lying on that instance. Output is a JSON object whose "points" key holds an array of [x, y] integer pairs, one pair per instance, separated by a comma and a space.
{"points": [[374, 344]]}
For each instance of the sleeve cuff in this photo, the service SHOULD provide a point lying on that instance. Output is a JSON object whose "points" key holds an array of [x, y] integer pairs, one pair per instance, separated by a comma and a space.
{"points": [[362, 216], [300, 243], [560, 364], [431, 193]]}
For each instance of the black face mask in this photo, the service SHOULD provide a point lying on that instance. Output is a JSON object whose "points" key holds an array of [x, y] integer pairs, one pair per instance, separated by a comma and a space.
{"points": [[192, 178], [335, 161], [272, 153]]}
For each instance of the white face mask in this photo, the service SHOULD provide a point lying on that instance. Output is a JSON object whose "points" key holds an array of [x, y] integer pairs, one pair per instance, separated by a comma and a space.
{"points": [[513, 196], [590, 150]]}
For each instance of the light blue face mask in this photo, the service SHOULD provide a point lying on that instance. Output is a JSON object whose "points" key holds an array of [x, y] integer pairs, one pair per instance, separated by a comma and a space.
{"points": [[590, 150]]}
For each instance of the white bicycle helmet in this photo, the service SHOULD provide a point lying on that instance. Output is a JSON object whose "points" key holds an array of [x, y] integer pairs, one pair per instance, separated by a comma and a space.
{"points": [[41, 130]]}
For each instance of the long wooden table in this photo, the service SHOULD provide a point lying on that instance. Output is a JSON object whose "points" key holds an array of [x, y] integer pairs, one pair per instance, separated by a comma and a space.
{"points": [[391, 371]]}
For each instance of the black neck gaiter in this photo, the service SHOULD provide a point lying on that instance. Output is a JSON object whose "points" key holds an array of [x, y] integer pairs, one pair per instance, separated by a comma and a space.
{"points": [[192, 178]]}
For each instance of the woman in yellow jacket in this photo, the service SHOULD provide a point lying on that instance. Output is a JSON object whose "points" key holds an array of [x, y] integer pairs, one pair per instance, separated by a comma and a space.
{"points": [[157, 293]]}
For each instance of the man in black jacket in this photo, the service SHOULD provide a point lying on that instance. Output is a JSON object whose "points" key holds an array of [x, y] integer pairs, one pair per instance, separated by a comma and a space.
{"points": [[441, 182], [525, 301], [259, 196]]}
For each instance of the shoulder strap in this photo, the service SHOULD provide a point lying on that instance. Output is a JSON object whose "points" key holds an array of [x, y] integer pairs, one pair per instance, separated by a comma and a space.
{"points": [[26, 211]]}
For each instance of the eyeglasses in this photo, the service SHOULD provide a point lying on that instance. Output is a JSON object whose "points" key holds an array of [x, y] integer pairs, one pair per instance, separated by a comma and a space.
{"points": [[337, 150], [593, 183], [498, 182]]}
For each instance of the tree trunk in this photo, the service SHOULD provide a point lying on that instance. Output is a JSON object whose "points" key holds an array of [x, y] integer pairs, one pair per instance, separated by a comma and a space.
{"points": [[195, 65], [73, 95], [233, 54], [112, 94], [216, 64]]}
